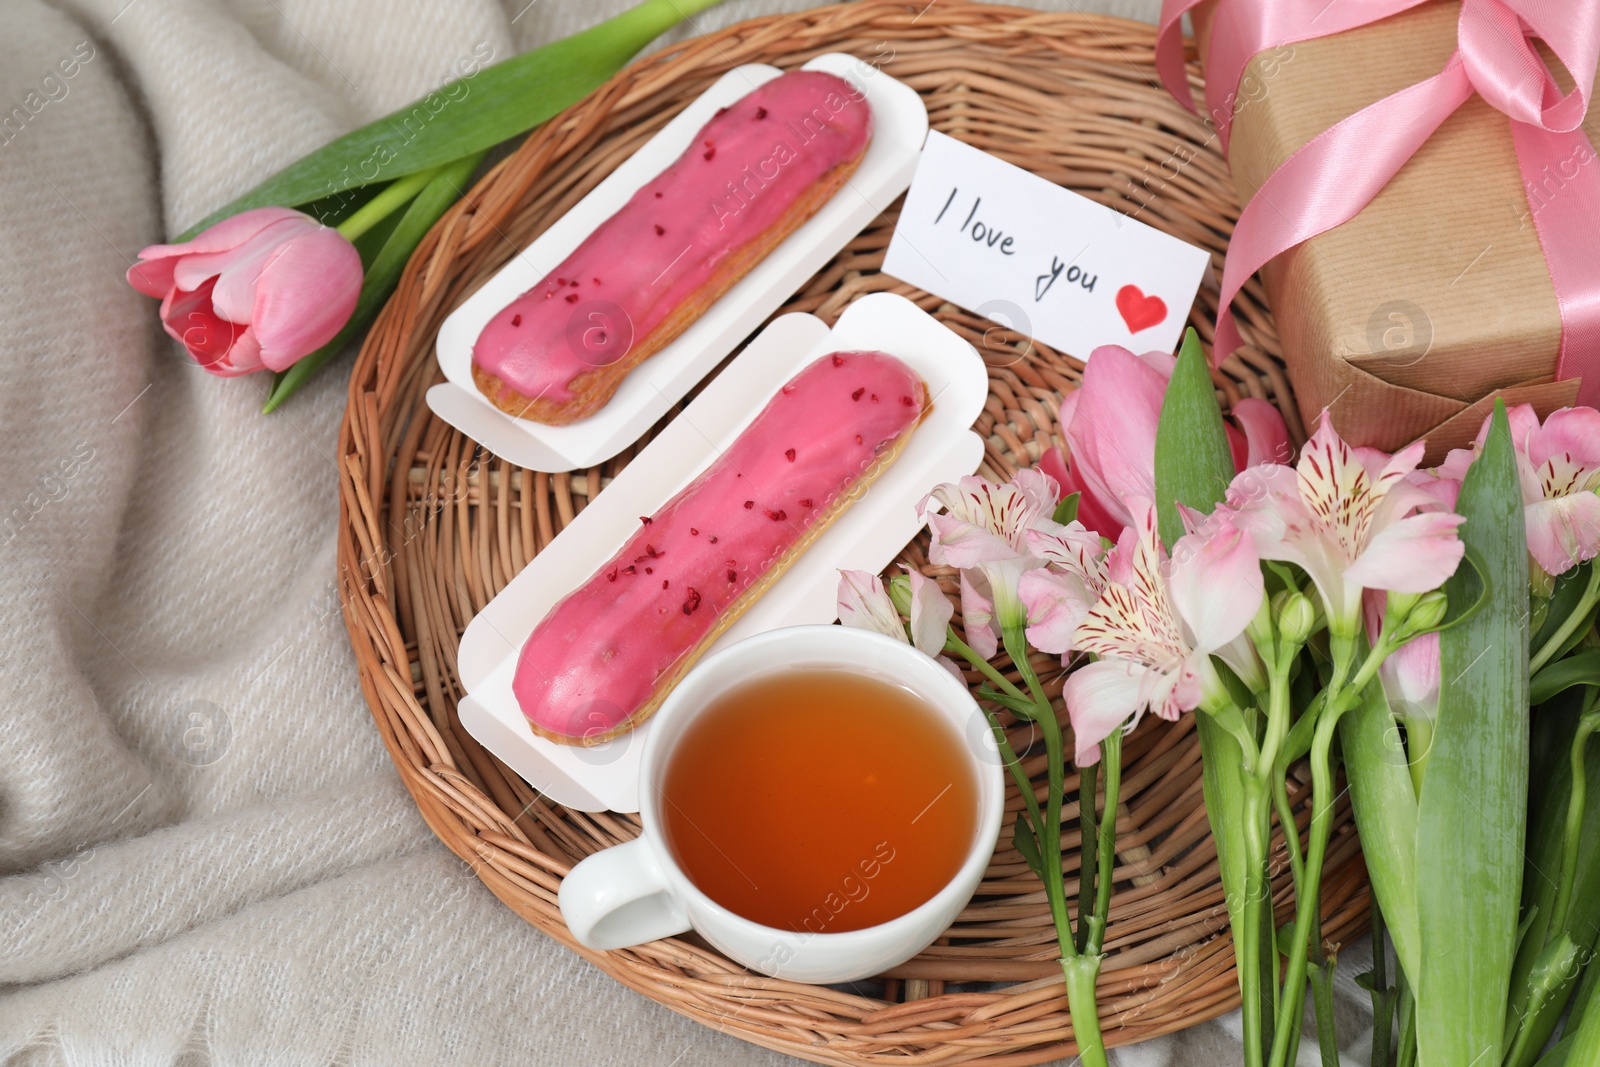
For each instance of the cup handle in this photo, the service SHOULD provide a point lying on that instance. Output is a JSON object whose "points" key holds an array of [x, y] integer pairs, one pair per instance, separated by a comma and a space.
{"points": [[618, 897]]}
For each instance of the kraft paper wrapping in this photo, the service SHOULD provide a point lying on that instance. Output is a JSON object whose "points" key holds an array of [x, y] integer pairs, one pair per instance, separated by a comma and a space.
{"points": [[1409, 319]]}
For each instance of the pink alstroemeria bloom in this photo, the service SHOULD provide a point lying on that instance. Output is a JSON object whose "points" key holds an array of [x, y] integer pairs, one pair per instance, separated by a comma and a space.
{"points": [[981, 528], [1353, 518], [1560, 467], [1109, 424], [1157, 624], [1058, 596], [1410, 674], [258, 290]]}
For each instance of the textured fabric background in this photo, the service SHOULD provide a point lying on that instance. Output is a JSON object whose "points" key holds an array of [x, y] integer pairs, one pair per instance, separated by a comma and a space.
{"points": [[205, 854]]}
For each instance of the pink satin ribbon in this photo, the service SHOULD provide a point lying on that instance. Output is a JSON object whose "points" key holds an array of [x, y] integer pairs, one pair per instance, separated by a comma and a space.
{"points": [[1337, 173]]}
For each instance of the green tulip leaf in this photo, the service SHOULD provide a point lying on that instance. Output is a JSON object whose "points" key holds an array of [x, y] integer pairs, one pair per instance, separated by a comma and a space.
{"points": [[507, 99], [1385, 804]]}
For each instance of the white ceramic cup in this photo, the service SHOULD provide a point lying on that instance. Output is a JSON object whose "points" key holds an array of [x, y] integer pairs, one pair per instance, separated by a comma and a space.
{"points": [[636, 892]]}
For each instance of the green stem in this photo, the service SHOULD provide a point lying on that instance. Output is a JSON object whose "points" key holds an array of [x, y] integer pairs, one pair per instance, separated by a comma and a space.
{"points": [[1291, 829], [1022, 709], [1267, 765], [1079, 969], [1277, 714], [1111, 756], [394, 196], [1081, 973], [1308, 894], [1383, 998], [1575, 804], [1088, 862], [1024, 787], [1406, 1055], [1014, 765], [1250, 934], [1322, 998], [1569, 625], [952, 643], [1016, 647], [1047, 845]]}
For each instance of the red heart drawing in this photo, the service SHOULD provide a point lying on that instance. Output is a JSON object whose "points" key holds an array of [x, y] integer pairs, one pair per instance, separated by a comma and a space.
{"points": [[1140, 312]]}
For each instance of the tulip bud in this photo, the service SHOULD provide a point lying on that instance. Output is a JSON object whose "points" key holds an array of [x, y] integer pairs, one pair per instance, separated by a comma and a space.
{"points": [[900, 593], [1427, 613], [1297, 617]]}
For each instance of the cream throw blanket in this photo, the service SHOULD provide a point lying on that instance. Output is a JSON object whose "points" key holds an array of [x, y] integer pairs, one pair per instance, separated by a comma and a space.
{"points": [[205, 854]]}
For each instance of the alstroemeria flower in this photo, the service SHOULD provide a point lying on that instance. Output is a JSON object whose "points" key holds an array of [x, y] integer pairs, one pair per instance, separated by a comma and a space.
{"points": [[865, 603], [1559, 464], [1352, 518], [1059, 595], [1109, 424], [983, 528], [258, 290], [1157, 624], [1410, 674]]}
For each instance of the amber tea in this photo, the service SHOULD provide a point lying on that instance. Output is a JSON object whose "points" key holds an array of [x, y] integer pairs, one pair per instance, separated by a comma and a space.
{"points": [[819, 800]]}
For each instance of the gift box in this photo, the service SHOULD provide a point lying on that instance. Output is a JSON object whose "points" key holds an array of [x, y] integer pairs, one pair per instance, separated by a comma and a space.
{"points": [[1407, 320]]}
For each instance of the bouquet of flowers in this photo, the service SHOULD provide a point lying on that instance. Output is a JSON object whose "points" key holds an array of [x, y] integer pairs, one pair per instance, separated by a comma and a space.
{"points": [[1432, 631]]}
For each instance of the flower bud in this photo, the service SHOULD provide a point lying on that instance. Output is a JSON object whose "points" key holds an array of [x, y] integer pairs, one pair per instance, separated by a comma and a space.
{"points": [[1427, 613], [1260, 628], [900, 593], [1397, 606], [1297, 617]]}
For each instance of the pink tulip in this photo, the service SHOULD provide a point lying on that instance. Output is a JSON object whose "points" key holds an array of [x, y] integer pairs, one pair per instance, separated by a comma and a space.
{"points": [[1109, 424], [1353, 519], [1158, 622], [1560, 467], [258, 290]]}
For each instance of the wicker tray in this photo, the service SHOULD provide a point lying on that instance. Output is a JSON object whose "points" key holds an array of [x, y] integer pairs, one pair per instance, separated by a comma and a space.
{"points": [[432, 528]]}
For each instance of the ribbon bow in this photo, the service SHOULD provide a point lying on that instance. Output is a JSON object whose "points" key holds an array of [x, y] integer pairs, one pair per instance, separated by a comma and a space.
{"points": [[1337, 173]]}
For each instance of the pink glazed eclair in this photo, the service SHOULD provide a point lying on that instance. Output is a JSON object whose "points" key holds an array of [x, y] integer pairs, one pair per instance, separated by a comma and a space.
{"points": [[753, 174], [610, 651]]}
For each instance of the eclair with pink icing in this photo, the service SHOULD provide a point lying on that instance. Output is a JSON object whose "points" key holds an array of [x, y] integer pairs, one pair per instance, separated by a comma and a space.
{"points": [[754, 173], [610, 651]]}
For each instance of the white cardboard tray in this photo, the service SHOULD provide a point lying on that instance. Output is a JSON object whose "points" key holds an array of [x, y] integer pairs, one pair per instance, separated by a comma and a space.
{"points": [[900, 125], [866, 536]]}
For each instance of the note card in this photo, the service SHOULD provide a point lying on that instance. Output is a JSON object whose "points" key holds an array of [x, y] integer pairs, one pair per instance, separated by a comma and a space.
{"points": [[1032, 256]]}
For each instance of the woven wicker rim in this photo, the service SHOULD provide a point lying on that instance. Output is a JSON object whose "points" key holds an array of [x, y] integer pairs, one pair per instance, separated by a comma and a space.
{"points": [[432, 527]]}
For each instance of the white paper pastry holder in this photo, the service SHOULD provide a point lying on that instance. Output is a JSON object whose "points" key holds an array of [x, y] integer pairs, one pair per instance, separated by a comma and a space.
{"points": [[866, 536], [900, 124]]}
